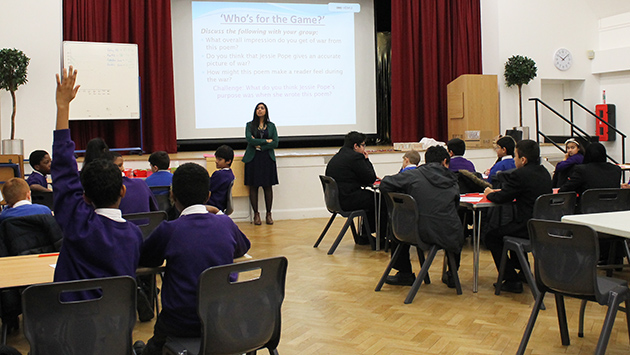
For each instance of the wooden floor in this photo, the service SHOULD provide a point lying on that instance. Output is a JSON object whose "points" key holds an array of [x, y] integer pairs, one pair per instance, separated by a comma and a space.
{"points": [[331, 307]]}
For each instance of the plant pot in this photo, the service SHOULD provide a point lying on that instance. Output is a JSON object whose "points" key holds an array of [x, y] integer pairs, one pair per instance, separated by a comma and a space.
{"points": [[13, 146]]}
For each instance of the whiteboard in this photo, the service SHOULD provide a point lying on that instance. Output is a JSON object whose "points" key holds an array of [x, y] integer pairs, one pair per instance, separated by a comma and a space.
{"points": [[108, 75]]}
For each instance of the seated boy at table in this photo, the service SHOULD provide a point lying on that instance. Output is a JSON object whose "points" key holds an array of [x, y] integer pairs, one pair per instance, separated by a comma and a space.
{"points": [[523, 184], [222, 178], [138, 198], [17, 195], [160, 176], [40, 162], [456, 149], [411, 159], [97, 242], [190, 244]]}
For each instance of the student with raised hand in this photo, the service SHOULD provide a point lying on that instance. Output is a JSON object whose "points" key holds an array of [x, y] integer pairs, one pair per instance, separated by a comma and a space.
{"points": [[40, 162], [190, 244], [98, 242]]}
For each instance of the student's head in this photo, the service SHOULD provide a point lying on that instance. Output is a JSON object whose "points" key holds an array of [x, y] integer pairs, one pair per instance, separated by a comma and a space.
{"points": [[118, 160], [354, 139], [574, 147], [160, 160], [527, 152], [190, 185], [456, 147], [261, 112], [437, 154], [224, 156], [40, 161], [102, 183], [505, 146], [96, 149], [412, 157], [14, 190], [595, 153]]}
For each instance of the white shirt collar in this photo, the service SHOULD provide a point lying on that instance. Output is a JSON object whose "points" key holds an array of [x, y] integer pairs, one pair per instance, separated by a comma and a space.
{"points": [[112, 213], [37, 172], [194, 209], [507, 157], [21, 203]]}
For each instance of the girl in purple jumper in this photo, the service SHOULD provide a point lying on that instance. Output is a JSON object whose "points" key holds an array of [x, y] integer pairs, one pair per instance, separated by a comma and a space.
{"points": [[573, 156]]}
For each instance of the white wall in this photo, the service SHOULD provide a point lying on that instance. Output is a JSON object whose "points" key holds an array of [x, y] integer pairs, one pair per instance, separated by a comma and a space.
{"points": [[34, 27]]}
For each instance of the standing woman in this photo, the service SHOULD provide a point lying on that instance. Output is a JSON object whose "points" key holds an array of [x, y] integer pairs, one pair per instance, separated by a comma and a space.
{"points": [[260, 160]]}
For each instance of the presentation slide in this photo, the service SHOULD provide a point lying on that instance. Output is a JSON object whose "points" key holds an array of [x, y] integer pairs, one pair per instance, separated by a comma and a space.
{"points": [[309, 62]]}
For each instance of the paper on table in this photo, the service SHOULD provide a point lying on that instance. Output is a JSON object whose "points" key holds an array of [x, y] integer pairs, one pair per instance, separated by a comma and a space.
{"points": [[470, 199]]}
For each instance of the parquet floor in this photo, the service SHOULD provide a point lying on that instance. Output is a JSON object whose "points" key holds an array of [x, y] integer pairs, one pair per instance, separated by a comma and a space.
{"points": [[331, 307]]}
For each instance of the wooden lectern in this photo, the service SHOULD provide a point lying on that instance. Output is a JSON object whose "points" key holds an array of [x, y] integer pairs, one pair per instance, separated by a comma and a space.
{"points": [[473, 109]]}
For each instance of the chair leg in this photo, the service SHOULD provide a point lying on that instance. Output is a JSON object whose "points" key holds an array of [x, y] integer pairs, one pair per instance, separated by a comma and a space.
{"points": [[522, 259], [345, 227], [581, 326], [423, 272], [504, 257], [530, 324], [627, 302], [321, 236], [562, 320], [5, 330], [453, 266], [613, 306], [427, 279], [388, 268]]}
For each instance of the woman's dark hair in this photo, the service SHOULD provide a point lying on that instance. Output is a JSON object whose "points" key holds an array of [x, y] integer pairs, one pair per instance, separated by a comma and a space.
{"points": [[255, 121], [595, 153], [190, 184], [96, 149]]}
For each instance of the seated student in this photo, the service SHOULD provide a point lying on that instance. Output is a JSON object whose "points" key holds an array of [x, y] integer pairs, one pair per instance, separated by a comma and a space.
{"points": [[594, 173], [456, 148], [524, 184], [573, 157], [98, 242], [190, 244], [411, 159], [435, 190], [161, 176], [221, 179], [96, 149], [40, 162], [139, 197], [505, 161], [17, 194]]}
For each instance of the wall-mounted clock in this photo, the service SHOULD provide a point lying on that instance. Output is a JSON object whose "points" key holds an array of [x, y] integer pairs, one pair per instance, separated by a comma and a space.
{"points": [[562, 59]]}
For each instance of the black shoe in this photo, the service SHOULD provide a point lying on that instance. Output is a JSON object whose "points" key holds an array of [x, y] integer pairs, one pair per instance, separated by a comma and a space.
{"points": [[401, 279], [521, 277], [448, 279], [511, 286], [144, 306], [138, 347], [362, 240]]}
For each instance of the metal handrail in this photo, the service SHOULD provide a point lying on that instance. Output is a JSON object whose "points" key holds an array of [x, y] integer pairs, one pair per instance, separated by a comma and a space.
{"points": [[586, 136]]}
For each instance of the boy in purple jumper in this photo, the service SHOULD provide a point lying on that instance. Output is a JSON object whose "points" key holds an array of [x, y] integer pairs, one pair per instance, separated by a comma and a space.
{"points": [[40, 162], [221, 179], [456, 149], [139, 198], [97, 241], [190, 244]]}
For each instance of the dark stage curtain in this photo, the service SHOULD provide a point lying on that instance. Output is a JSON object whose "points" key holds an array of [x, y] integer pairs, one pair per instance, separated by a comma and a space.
{"points": [[433, 42], [148, 24]]}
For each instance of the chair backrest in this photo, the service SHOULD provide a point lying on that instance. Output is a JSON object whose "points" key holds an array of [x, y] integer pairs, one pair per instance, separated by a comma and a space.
{"points": [[552, 207], [43, 198], [162, 196], [147, 221], [404, 218], [605, 200], [241, 316], [565, 256], [34, 234], [229, 206], [331, 194], [100, 326]]}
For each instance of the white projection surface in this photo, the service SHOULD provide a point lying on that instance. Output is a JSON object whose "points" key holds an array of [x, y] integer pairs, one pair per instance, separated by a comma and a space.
{"points": [[313, 64]]}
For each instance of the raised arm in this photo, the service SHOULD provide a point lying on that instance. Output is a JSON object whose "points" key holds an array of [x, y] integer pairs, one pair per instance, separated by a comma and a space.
{"points": [[66, 92]]}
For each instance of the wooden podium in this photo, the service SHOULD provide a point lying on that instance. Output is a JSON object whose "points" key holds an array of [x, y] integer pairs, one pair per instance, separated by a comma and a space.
{"points": [[473, 109]]}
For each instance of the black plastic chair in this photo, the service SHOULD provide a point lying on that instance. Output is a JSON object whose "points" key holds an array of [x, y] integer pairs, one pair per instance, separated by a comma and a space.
{"points": [[549, 207], [229, 206], [565, 263], [100, 326], [331, 197], [146, 221], [237, 317], [43, 198], [162, 196], [405, 227]]}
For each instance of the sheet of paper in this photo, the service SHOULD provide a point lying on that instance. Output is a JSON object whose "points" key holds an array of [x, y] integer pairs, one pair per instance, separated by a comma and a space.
{"points": [[470, 199]]}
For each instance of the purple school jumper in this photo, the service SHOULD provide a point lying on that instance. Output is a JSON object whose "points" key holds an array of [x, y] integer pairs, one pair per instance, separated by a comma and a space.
{"points": [[460, 163], [139, 198], [93, 245], [36, 178], [219, 184], [190, 244]]}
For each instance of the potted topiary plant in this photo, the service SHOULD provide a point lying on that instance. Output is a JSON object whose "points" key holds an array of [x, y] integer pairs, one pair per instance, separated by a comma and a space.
{"points": [[519, 71], [13, 64]]}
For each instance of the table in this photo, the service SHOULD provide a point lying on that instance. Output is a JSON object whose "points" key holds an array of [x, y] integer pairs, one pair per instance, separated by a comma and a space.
{"points": [[377, 211], [614, 223], [475, 202]]}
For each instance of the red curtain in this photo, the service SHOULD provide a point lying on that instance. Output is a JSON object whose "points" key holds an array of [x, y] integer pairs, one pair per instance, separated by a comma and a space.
{"points": [[148, 24], [433, 42]]}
